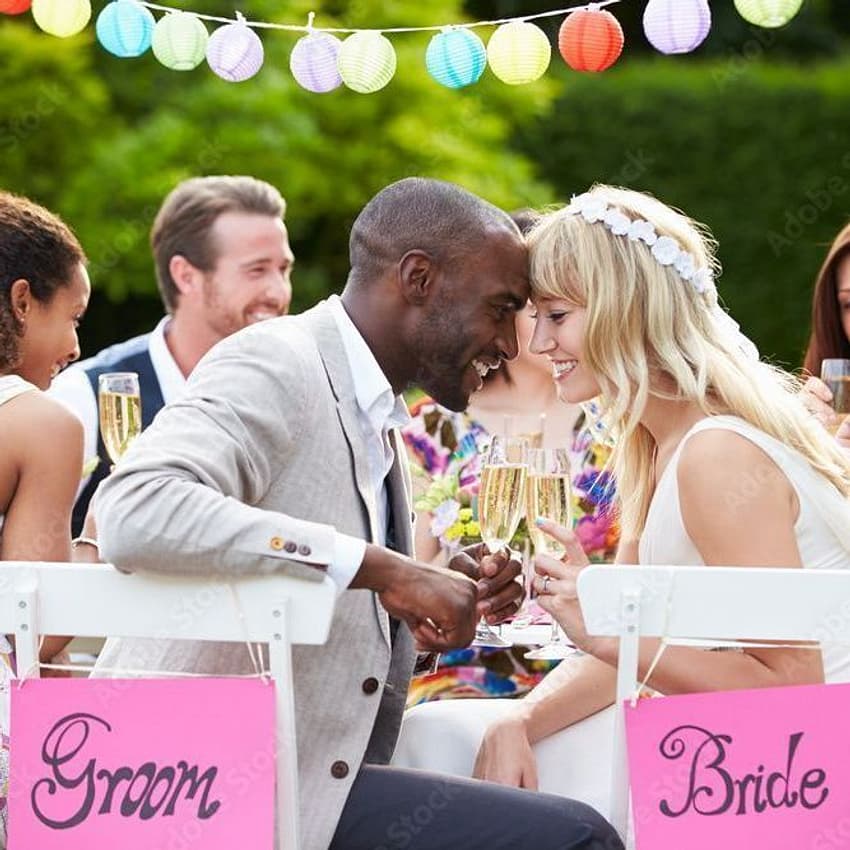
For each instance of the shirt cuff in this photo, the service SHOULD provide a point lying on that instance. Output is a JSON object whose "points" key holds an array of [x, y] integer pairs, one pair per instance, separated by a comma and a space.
{"points": [[348, 557]]}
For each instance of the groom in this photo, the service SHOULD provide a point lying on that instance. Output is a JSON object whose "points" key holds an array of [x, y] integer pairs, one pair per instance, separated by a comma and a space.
{"points": [[284, 455]]}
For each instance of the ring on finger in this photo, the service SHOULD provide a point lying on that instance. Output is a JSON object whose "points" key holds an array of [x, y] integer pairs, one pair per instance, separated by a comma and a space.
{"points": [[545, 588]]}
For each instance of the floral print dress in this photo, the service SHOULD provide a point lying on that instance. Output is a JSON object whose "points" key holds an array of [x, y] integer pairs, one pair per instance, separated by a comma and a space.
{"points": [[445, 450]]}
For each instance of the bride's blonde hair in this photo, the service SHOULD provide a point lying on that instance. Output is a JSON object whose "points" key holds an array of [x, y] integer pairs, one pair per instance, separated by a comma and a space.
{"points": [[645, 322]]}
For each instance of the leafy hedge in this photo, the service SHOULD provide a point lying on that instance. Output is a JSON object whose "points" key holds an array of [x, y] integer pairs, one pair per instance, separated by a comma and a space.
{"points": [[760, 153]]}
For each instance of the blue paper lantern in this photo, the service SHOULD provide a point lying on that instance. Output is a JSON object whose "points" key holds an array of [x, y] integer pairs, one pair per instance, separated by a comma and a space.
{"points": [[456, 58], [125, 28]]}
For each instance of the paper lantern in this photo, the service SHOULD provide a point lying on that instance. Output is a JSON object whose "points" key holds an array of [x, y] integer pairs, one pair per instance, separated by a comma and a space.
{"points": [[676, 26], [768, 13], [235, 51], [62, 18], [518, 53], [313, 62], [125, 28], [367, 61], [14, 7], [590, 40], [180, 41], [456, 58]]}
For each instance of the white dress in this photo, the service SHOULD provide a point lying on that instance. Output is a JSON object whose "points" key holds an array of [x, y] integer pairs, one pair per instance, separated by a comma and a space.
{"points": [[575, 762], [11, 386]]}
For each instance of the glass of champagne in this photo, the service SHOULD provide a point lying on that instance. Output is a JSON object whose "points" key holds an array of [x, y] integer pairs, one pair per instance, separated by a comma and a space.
{"points": [[835, 373], [501, 502], [549, 495], [120, 409]]}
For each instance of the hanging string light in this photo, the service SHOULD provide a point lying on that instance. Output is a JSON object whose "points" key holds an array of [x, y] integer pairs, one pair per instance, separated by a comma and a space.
{"points": [[519, 53], [676, 26], [180, 41], [768, 13], [367, 61], [590, 40], [235, 52], [456, 58], [125, 28], [314, 61], [61, 18], [14, 7]]}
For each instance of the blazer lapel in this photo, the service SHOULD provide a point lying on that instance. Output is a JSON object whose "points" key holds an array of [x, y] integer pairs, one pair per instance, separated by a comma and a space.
{"points": [[338, 370]]}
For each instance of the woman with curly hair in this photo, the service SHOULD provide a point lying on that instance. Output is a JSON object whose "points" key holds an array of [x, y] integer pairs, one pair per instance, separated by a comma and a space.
{"points": [[44, 291]]}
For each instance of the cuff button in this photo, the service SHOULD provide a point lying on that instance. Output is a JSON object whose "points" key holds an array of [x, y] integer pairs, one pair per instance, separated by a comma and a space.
{"points": [[276, 543]]}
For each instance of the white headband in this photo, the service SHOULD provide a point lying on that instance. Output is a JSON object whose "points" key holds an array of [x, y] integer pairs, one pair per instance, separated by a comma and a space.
{"points": [[666, 250]]}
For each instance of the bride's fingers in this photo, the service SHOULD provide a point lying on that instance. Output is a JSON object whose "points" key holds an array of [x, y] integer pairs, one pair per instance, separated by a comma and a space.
{"points": [[573, 552], [546, 565]]}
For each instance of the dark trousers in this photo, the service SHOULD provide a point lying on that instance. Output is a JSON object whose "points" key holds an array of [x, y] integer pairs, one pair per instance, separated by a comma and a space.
{"points": [[398, 809]]}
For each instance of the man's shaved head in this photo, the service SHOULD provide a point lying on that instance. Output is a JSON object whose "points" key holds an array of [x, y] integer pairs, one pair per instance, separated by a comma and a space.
{"points": [[441, 219]]}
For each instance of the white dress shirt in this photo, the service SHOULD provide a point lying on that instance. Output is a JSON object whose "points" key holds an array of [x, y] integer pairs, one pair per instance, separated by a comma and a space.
{"points": [[379, 410], [73, 389]]}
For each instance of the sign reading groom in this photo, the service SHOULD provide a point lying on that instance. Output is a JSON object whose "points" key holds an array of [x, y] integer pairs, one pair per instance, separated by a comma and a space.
{"points": [[284, 455]]}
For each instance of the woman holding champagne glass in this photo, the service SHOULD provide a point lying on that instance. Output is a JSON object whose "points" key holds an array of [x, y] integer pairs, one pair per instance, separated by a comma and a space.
{"points": [[827, 361], [716, 459], [44, 291]]}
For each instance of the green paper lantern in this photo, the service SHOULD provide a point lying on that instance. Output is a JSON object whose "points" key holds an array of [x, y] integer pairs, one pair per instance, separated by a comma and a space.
{"points": [[768, 13], [519, 53], [61, 18], [367, 61], [180, 41]]}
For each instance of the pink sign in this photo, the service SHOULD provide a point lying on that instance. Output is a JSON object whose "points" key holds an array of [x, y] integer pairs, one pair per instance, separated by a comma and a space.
{"points": [[760, 768], [142, 764]]}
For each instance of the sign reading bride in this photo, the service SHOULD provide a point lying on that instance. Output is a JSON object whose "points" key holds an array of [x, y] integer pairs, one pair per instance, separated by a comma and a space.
{"points": [[142, 764], [758, 768]]}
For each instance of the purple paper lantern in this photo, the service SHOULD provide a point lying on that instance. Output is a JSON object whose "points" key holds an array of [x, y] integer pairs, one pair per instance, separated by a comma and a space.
{"points": [[313, 62], [676, 26], [235, 52]]}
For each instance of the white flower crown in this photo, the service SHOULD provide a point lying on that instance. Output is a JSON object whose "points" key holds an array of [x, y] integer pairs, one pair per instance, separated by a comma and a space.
{"points": [[666, 250]]}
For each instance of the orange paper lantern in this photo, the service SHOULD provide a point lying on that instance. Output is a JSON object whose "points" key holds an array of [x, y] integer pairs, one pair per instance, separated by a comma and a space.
{"points": [[590, 40], [14, 7]]}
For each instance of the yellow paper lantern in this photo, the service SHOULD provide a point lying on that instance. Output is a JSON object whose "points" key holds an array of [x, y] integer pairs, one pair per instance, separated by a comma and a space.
{"points": [[62, 18], [519, 53], [768, 13], [366, 61]]}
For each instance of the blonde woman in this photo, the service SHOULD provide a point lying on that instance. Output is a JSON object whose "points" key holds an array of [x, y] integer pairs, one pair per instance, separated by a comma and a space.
{"points": [[716, 460]]}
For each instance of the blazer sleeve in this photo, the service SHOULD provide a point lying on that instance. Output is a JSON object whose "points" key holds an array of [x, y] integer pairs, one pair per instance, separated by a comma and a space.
{"points": [[183, 498]]}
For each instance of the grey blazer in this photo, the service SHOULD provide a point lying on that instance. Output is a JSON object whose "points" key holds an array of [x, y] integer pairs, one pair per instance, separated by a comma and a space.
{"points": [[265, 450]]}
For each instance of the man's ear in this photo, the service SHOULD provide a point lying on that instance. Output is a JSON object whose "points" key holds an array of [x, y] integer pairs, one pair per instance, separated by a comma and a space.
{"points": [[187, 278], [416, 272], [21, 298]]}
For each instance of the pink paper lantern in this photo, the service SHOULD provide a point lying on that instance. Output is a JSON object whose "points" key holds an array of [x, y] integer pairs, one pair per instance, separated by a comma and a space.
{"points": [[313, 62], [676, 26], [235, 51]]}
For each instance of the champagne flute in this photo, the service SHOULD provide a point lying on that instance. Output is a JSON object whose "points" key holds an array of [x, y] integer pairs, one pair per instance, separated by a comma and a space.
{"points": [[501, 501], [835, 373], [120, 409], [549, 496]]}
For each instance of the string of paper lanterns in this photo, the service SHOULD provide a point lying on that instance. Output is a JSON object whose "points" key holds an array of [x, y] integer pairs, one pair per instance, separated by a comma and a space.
{"points": [[590, 39]]}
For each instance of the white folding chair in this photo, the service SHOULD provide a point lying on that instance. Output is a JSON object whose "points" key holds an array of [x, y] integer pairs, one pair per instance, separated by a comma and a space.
{"points": [[703, 604], [98, 601]]}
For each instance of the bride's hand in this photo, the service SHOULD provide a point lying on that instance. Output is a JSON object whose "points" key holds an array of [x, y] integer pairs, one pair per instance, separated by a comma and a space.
{"points": [[555, 582], [506, 757]]}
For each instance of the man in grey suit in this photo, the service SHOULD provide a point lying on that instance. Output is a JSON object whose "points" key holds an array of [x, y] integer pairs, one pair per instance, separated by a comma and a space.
{"points": [[284, 455]]}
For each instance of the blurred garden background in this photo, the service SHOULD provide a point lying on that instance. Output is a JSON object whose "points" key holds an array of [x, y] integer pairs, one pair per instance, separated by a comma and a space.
{"points": [[750, 134]]}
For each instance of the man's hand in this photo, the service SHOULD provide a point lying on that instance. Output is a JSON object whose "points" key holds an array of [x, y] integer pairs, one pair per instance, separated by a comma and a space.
{"points": [[500, 595], [438, 604]]}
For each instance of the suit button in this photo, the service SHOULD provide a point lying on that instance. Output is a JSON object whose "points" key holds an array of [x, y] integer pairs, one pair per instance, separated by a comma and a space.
{"points": [[290, 547], [370, 685], [339, 770], [304, 550], [276, 543]]}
